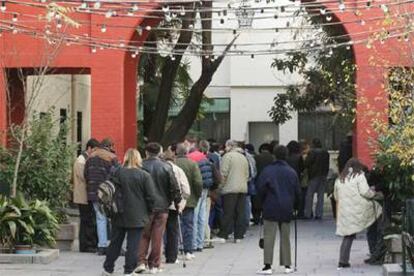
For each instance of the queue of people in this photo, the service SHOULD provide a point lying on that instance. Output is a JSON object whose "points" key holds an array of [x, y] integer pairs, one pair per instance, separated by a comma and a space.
{"points": [[180, 197]]}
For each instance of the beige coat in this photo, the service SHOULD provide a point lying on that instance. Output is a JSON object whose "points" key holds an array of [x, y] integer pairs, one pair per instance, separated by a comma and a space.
{"points": [[235, 172], [79, 183], [356, 209], [183, 184]]}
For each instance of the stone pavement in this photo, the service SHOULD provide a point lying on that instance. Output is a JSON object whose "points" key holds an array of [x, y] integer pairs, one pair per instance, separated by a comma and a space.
{"points": [[318, 249]]}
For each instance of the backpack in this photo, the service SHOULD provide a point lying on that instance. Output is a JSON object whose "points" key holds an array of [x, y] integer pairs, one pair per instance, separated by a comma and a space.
{"points": [[110, 196]]}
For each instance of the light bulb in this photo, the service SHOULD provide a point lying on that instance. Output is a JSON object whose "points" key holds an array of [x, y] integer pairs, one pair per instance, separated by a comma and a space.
{"points": [[342, 7], [93, 50], [108, 14], [135, 8], [97, 5], [103, 29], [322, 11], [14, 19]]}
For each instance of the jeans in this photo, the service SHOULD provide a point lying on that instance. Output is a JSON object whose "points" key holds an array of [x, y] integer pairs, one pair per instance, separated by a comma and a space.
{"points": [[316, 185], [234, 216], [114, 249], [171, 245], [207, 235], [269, 236], [345, 250], [152, 234], [200, 221], [101, 226], [248, 209], [87, 229], [187, 220]]}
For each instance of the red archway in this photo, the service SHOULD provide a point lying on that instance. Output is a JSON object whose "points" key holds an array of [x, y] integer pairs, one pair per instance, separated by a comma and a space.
{"points": [[113, 72], [373, 62]]}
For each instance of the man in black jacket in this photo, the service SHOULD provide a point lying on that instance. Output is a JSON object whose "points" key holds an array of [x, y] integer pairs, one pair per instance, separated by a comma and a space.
{"points": [[98, 168], [317, 164], [167, 191]]}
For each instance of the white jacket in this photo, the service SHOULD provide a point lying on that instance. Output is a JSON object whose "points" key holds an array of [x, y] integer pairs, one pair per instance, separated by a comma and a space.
{"points": [[356, 209], [182, 184]]}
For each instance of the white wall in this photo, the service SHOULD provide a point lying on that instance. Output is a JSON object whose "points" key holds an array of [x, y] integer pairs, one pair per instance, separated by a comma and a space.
{"points": [[56, 91]]}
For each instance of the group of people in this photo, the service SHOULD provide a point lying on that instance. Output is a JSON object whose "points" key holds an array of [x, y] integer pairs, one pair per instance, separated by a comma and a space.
{"points": [[179, 197]]}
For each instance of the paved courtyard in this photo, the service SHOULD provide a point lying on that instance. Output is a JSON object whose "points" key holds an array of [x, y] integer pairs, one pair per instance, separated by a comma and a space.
{"points": [[317, 255]]}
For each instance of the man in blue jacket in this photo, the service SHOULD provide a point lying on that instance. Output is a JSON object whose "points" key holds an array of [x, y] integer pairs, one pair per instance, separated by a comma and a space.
{"points": [[279, 191]]}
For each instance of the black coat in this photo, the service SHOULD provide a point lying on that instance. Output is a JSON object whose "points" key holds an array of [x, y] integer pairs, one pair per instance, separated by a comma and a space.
{"points": [[138, 197], [262, 160], [317, 163], [279, 191], [296, 162], [166, 186]]}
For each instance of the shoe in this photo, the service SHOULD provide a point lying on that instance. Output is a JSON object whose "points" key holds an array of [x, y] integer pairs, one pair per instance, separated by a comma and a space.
{"points": [[192, 256], [199, 250], [237, 240], [106, 273], [265, 271], [140, 269], [154, 270], [208, 245], [288, 270], [341, 266], [188, 256], [318, 218], [88, 250], [101, 251], [218, 240]]}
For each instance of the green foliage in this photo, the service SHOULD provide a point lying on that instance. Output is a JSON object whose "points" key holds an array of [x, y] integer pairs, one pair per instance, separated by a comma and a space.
{"points": [[46, 162], [328, 81], [29, 223], [394, 148]]}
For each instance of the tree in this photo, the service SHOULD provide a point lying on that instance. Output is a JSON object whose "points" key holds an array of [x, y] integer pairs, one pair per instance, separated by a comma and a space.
{"points": [[179, 127], [328, 80]]}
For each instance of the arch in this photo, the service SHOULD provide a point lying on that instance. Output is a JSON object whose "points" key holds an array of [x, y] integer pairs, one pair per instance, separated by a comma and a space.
{"points": [[113, 73]]}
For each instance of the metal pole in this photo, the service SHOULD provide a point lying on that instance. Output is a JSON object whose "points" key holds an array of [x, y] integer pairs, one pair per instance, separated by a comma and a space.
{"points": [[296, 242], [404, 264]]}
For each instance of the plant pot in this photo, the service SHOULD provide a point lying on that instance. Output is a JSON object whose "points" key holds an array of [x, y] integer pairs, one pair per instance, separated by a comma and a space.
{"points": [[66, 236], [24, 249]]}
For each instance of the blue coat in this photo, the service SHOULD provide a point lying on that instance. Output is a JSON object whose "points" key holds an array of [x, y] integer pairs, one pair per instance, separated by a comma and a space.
{"points": [[279, 191]]}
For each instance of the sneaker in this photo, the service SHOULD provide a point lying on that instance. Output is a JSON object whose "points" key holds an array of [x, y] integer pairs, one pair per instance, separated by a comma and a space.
{"points": [[237, 240], [341, 266], [141, 268], [101, 251], [188, 256], [192, 255], [218, 240], [106, 273], [288, 270], [208, 245], [265, 271], [199, 250], [153, 270]]}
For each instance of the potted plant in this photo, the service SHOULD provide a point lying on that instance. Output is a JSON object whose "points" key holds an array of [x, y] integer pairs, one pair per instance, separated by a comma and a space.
{"points": [[26, 224]]}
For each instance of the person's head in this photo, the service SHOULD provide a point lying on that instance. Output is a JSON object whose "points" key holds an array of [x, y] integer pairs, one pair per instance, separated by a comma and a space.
{"points": [[352, 167], [204, 146], [91, 145], [191, 141], [181, 149], [153, 149], [214, 147], [107, 144], [241, 144], [293, 147], [168, 155], [304, 147], [280, 152], [230, 144], [265, 147], [132, 159], [249, 148], [316, 143]]}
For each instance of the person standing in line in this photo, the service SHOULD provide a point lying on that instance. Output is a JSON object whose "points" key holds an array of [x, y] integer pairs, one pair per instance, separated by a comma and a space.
{"points": [[304, 180], [168, 191], [172, 234], [356, 208], [138, 197], [251, 186], [235, 172], [87, 229], [193, 174], [200, 212], [279, 191], [264, 158], [295, 160], [98, 168], [317, 164]]}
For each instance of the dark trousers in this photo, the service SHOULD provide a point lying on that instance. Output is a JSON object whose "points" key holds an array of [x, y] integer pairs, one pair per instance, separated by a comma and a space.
{"points": [[345, 250], [114, 248], [187, 228], [301, 211], [171, 246], [234, 215], [88, 238], [152, 235], [256, 209]]}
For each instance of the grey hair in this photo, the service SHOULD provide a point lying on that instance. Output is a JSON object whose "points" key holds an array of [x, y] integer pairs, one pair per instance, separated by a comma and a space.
{"points": [[231, 144], [181, 149], [204, 146]]}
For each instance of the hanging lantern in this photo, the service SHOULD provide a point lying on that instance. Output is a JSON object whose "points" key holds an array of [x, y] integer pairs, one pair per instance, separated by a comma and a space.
{"points": [[245, 14]]}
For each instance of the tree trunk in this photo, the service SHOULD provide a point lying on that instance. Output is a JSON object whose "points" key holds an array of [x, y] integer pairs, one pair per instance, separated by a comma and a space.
{"points": [[169, 72]]}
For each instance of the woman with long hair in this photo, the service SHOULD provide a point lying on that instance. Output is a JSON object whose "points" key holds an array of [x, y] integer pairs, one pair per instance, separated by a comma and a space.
{"points": [[137, 191], [356, 208]]}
